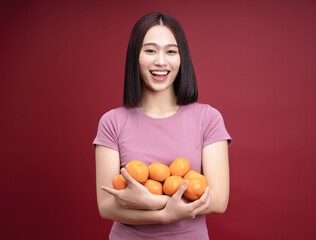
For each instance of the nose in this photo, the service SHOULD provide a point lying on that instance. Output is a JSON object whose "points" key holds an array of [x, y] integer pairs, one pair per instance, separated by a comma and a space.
{"points": [[160, 59]]}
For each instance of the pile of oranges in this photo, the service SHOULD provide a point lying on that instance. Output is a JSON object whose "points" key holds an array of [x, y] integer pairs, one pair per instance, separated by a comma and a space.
{"points": [[160, 179]]}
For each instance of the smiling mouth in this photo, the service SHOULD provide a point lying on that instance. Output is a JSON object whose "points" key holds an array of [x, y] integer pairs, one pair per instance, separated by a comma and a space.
{"points": [[159, 73]]}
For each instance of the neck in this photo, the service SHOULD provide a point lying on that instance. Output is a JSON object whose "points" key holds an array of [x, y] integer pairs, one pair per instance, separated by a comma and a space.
{"points": [[159, 104]]}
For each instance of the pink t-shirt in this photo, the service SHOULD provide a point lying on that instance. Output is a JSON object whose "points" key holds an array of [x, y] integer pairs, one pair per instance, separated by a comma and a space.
{"points": [[137, 136]]}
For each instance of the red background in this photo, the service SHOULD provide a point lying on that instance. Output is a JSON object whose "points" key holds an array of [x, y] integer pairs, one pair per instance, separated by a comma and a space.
{"points": [[62, 67]]}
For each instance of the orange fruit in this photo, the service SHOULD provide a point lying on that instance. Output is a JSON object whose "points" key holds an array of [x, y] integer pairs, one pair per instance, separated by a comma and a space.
{"points": [[195, 188], [172, 184], [137, 170], [192, 174], [158, 171], [153, 186], [119, 182], [179, 167]]}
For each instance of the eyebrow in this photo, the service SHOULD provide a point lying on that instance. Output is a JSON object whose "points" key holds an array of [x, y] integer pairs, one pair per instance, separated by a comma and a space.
{"points": [[155, 44]]}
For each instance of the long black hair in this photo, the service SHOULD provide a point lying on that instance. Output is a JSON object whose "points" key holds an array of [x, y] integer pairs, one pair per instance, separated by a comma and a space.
{"points": [[185, 85]]}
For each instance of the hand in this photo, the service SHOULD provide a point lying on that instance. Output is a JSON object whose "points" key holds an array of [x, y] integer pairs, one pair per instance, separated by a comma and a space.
{"points": [[134, 196], [178, 208]]}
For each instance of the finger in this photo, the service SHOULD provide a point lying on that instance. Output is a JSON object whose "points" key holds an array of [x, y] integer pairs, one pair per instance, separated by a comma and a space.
{"points": [[206, 195], [127, 177], [181, 189], [201, 200], [109, 190], [206, 204], [202, 203]]}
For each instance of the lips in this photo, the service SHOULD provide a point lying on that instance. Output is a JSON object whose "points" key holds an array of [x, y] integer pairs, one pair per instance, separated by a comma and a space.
{"points": [[159, 75], [159, 72]]}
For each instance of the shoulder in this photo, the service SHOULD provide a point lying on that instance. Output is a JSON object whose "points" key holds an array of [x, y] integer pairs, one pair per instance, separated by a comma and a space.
{"points": [[202, 109], [115, 113], [115, 117]]}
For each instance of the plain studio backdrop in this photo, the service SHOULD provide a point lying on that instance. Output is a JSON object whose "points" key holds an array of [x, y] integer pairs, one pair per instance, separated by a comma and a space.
{"points": [[62, 67]]}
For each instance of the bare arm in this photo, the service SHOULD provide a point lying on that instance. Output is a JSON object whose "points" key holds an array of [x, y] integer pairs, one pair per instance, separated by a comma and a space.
{"points": [[136, 196], [107, 167], [174, 209], [216, 170]]}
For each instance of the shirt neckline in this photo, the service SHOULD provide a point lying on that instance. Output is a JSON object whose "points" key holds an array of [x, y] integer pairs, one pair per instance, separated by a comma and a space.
{"points": [[144, 115]]}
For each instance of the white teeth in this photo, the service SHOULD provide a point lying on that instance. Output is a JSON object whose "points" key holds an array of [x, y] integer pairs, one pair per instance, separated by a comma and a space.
{"points": [[161, 73]]}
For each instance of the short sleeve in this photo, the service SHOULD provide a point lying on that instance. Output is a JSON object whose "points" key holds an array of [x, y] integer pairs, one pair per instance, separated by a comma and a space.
{"points": [[214, 129], [107, 134]]}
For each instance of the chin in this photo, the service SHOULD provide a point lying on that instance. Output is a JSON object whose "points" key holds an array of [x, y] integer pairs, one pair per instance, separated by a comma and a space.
{"points": [[160, 88]]}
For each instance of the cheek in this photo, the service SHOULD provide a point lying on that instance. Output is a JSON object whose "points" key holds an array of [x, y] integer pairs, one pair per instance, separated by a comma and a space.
{"points": [[142, 66], [142, 60], [176, 63], [142, 72], [176, 67]]}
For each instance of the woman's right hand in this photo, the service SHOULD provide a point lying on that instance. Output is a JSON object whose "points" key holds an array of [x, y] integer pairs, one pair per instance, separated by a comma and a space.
{"points": [[177, 208], [135, 195]]}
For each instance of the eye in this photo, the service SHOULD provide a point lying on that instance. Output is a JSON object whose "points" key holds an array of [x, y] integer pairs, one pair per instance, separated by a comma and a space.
{"points": [[171, 51], [149, 50]]}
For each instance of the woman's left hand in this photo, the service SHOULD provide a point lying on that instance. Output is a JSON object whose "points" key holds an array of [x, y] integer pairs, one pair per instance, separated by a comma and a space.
{"points": [[178, 208]]}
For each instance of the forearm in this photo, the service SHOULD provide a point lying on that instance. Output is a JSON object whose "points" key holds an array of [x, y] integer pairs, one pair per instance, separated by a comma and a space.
{"points": [[174, 210], [157, 202], [216, 170], [110, 209]]}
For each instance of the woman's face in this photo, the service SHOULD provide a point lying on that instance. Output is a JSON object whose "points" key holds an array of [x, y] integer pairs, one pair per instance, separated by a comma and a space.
{"points": [[159, 59]]}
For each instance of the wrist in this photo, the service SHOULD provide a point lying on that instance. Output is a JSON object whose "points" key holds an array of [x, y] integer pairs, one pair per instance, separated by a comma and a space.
{"points": [[163, 216], [156, 202]]}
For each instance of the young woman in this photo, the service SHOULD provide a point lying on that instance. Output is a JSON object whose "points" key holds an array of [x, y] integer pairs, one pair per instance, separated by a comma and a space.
{"points": [[160, 121]]}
